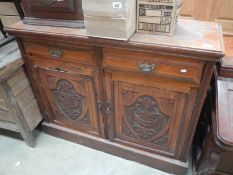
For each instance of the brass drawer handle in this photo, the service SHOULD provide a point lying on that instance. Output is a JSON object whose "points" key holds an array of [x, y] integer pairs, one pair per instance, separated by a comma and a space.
{"points": [[108, 107], [56, 53], [146, 67]]}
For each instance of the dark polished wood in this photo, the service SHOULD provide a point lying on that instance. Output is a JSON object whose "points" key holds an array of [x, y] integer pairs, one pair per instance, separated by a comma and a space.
{"points": [[53, 9], [216, 142], [213, 150], [139, 99], [66, 13]]}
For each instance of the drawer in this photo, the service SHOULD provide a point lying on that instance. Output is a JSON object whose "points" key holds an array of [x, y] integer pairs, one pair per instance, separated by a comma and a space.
{"points": [[60, 52], [151, 63]]}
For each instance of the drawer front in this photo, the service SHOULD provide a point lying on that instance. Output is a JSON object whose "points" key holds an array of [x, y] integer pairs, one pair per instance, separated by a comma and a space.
{"points": [[61, 52], [151, 63]]}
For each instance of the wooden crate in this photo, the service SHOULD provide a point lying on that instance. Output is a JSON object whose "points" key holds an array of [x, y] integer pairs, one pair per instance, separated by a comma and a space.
{"points": [[18, 106], [8, 13], [110, 19]]}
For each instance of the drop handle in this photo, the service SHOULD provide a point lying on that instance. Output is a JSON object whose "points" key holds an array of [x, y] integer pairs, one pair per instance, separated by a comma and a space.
{"points": [[146, 67], [108, 107], [99, 105], [55, 53], [60, 69]]}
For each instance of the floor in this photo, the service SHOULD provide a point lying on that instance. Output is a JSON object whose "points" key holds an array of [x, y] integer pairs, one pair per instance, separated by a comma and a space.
{"points": [[54, 156]]}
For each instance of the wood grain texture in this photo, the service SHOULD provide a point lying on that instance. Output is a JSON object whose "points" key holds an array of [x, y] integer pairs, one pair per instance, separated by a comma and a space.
{"points": [[222, 13], [203, 41], [72, 99], [9, 60], [226, 68], [8, 8], [18, 106], [22, 91], [174, 67], [210, 10], [65, 10]]}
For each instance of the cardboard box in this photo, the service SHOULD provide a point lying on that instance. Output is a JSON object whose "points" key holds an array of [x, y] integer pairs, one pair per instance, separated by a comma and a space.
{"points": [[112, 19], [158, 16]]}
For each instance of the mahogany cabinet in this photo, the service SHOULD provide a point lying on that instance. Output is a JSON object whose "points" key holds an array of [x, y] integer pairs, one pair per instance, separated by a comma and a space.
{"points": [[138, 99]]}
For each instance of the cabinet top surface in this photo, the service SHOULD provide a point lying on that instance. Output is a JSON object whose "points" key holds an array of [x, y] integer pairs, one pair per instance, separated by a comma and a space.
{"points": [[194, 38]]}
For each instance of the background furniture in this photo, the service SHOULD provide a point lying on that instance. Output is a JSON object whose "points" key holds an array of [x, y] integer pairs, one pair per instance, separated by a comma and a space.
{"points": [[4, 38], [210, 10], [214, 152], [213, 146], [18, 107], [10, 13], [55, 13], [139, 99]]}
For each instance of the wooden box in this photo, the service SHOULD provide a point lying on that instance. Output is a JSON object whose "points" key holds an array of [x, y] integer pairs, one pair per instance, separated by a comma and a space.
{"points": [[55, 13], [110, 19], [8, 13], [158, 16]]}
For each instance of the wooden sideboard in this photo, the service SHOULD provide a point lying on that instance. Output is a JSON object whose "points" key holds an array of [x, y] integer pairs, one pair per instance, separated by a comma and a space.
{"points": [[138, 99]]}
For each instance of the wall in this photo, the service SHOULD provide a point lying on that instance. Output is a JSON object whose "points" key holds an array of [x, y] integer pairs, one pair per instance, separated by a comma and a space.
{"points": [[210, 10]]}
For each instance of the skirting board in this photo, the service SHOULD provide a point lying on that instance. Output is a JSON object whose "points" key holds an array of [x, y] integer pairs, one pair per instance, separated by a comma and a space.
{"points": [[155, 161]]}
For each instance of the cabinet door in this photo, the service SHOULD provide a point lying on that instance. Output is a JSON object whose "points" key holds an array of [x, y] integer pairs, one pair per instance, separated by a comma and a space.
{"points": [[72, 99], [147, 117]]}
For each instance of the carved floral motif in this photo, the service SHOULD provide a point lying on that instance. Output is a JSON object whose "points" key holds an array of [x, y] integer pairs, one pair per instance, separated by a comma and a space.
{"points": [[69, 103], [143, 120]]}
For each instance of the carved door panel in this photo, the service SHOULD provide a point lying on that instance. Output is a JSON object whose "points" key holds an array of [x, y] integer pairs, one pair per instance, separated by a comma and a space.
{"points": [[148, 118], [72, 99]]}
